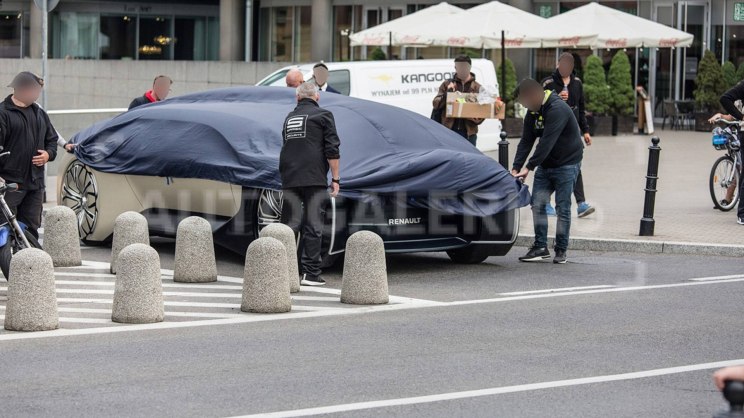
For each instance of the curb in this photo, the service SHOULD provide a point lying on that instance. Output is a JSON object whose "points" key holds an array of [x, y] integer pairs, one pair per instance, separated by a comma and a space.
{"points": [[642, 246]]}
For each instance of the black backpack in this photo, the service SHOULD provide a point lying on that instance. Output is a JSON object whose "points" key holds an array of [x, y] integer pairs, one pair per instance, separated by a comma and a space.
{"points": [[438, 113]]}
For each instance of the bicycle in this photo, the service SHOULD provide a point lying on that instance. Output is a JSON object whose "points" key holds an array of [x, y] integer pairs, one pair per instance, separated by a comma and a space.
{"points": [[726, 170], [14, 235]]}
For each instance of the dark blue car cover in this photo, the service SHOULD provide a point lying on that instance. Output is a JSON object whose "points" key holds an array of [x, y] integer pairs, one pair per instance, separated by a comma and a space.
{"points": [[233, 135]]}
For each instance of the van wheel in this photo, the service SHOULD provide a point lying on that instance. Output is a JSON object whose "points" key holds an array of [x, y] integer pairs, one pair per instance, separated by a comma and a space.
{"points": [[472, 254]]}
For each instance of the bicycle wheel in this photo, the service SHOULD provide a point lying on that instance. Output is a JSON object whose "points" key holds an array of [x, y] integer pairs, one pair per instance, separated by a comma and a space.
{"points": [[7, 251], [724, 188]]}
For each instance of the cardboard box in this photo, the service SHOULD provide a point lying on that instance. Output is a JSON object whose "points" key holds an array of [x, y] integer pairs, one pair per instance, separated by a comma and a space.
{"points": [[465, 105]]}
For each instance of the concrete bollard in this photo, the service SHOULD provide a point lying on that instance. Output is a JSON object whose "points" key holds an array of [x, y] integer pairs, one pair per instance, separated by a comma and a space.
{"points": [[287, 237], [265, 283], [61, 236], [32, 298], [138, 293], [129, 228], [365, 273], [195, 261]]}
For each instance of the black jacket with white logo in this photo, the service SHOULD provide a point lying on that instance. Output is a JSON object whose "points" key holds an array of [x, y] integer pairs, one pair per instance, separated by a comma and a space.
{"points": [[310, 140]]}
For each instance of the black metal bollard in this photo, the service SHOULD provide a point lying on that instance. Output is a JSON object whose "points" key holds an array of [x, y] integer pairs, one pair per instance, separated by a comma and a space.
{"points": [[504, 151], [652, 175], [734, 394]]}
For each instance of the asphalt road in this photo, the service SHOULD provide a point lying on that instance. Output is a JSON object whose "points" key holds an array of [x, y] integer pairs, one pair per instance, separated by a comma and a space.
{"points": [[621, 335]]}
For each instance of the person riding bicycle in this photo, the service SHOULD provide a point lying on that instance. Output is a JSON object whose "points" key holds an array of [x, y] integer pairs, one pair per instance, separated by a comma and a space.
{"points": [[729, 102]]}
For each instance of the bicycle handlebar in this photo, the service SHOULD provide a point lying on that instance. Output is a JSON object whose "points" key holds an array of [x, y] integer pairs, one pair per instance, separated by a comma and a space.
{"points": [[8, 187], [728, 122]]}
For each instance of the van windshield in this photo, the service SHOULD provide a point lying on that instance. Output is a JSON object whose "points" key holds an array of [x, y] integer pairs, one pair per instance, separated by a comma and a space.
{"points": [[276, 79]]}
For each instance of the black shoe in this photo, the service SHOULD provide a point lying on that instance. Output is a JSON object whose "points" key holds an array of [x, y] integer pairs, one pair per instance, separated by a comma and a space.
{"points": [[740, 221], [308, 280], [535, 254], [560, 257]]}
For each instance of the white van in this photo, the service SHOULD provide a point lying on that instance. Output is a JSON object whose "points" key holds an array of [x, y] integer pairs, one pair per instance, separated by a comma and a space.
{"points": [[408, 84]]}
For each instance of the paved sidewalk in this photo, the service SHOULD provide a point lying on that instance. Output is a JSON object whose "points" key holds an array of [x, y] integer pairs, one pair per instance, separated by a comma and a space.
{"points": [[614, 172]]}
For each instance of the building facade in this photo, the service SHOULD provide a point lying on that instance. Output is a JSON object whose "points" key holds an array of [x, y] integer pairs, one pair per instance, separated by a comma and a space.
{"points": [[312, 30]]}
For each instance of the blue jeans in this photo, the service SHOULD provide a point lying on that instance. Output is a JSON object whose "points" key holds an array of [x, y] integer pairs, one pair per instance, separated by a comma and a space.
{"points": [[547, 181]]}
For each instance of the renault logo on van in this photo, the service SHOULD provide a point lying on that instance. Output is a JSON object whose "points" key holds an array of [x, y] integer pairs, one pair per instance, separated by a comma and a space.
{"points": [[423, 77], [404, 221], [385, 78]]}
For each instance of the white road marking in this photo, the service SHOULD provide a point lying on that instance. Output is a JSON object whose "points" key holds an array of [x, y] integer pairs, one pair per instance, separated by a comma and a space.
{"points": [[169, 285], [167, 313], [78, 274], [78, 320], [240, 319], [560, 289], [715, 278], [195, 305], [167, 303], [588, 292], [416, 400], [405, 303]]}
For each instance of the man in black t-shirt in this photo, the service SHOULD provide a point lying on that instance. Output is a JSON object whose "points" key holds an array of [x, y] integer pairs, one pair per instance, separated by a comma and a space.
{"points": [[27, 133]]}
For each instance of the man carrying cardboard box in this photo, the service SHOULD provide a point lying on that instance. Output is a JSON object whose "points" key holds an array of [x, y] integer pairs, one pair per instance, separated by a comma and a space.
{"points": [[464, 82]]}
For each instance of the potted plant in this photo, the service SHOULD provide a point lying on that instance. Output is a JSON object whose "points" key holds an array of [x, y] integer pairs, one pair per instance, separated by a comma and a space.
{"points": [[511, 123], [729, 74], [598, 98], [622, 92], [740, 72], [709, 86], [377, 54]]}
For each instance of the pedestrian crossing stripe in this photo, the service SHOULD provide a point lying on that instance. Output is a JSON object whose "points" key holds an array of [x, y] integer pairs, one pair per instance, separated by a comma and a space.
{"points": [[85, 297]]}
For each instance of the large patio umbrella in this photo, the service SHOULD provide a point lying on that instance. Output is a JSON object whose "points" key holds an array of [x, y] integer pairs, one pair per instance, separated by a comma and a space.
{"points": [[614, 29], [482, 27], [406, 30], [496, 25]]}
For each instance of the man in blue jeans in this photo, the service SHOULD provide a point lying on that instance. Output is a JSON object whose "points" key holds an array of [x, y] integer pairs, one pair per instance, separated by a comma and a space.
{"points": [[556, 161]]}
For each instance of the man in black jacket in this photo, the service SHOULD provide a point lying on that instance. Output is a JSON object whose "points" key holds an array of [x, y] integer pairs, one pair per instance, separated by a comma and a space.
{"points": [[728, 101], [160, 89], [310, 149], [568, 87], [556, 161], [320, 75], [27, 133]]}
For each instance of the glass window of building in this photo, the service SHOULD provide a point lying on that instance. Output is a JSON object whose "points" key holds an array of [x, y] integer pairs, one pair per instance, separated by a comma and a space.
{"points": [[303, 41], [190, 38], [11, 24], [155, 38], [117, 39], [168, 36], [75, 35]]}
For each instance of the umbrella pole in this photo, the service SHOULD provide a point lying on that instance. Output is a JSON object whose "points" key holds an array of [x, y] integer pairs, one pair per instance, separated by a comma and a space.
{"points": [[390, 45], [636, 85], [503, 68]]}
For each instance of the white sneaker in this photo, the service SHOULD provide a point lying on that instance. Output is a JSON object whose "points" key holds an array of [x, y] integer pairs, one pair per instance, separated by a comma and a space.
{"points": [[312, 281]]}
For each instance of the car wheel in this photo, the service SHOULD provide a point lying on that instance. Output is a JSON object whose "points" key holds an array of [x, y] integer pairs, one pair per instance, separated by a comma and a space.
{"points": [[269, 208], [472, 254], [80, 193]]}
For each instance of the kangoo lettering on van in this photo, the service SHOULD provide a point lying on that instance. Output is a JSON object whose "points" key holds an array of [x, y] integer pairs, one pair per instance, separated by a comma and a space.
{"points": [[419, 78]]}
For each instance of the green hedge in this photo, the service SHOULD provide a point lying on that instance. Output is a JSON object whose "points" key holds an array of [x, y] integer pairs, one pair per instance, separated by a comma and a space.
{"points": [[596, 90], [621, 85]]}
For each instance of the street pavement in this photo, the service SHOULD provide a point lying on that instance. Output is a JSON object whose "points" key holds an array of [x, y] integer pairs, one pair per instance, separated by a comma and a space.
{"points": [[609, 334], [614, 170]]}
